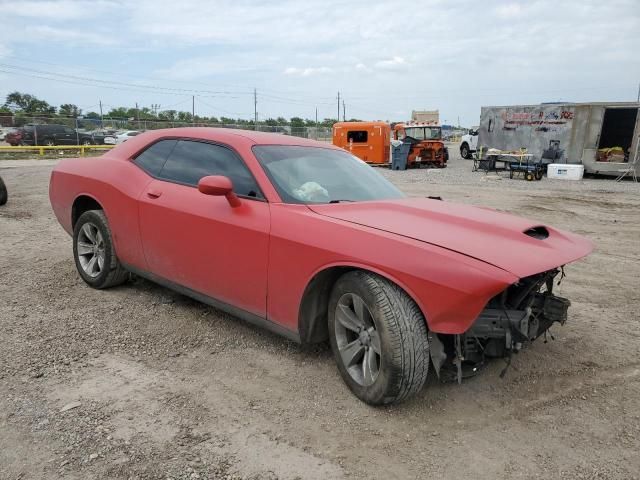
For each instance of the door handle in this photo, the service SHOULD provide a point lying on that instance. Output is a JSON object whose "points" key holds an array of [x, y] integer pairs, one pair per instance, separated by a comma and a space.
{"points": [[154, 193]]}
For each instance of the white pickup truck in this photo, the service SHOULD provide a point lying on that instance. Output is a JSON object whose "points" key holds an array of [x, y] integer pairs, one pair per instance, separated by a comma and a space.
{"points": [[469, 144]]}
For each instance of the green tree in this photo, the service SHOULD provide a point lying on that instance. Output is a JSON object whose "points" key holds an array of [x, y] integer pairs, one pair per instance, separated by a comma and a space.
{"points": [[185, 117], [119, 112], [69, 110], [297, 122], [24, 102], [167, 115]]}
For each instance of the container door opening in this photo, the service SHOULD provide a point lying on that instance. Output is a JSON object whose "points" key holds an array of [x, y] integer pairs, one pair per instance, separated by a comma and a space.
{"points": [[616, 135]]}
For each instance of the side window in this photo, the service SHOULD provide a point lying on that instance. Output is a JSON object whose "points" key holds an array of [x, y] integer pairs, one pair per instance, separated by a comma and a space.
{"points": [[190, 161], [357, 136], [65, 130], [153, 158]]}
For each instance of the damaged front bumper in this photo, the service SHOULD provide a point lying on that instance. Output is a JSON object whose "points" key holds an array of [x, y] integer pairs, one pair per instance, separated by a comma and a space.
{"points": [[518, 315]]}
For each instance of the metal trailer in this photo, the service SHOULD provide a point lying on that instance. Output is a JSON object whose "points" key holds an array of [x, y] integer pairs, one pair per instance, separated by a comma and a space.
{"points": [[566, 132]]}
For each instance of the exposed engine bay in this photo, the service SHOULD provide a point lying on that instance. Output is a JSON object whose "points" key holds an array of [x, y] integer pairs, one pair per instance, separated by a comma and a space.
{"points": [[520, 314]]}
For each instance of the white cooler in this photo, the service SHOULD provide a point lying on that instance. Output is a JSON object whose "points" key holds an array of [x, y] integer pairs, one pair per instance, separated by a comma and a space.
{"points": [[565, 171]]}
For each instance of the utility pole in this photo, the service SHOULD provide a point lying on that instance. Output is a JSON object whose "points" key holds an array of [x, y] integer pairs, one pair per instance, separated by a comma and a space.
{"points": [[316, 123], [255, 109], [638, 93], [193, 109], [137, 115], [344, 112], [101, 119], [338, 119]]}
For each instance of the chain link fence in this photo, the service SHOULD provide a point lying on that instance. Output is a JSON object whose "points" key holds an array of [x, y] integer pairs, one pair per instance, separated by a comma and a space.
{"points": [[321, 133]]}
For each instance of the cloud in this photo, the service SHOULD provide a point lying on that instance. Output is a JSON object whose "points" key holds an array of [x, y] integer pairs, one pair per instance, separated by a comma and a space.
{"points": [[307, 72], [361, 67], [69, 36], [510, 10], [58, 10], [5, 51], [395, 63], [508, 51]]}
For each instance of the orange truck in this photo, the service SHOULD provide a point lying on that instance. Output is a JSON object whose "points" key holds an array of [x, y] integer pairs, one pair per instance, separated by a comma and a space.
{"points": [[369, 141], [427, 147]]}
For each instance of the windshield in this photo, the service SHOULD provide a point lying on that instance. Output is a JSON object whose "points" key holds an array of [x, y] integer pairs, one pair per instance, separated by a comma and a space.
{"points": [[321, 175], [423, 133]]}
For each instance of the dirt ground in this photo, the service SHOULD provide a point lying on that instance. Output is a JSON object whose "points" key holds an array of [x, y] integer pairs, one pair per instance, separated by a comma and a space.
{"points": [[138, 382]]}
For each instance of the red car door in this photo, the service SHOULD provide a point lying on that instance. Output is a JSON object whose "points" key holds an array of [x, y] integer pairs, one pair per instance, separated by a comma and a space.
{"points": [[199, 241]]}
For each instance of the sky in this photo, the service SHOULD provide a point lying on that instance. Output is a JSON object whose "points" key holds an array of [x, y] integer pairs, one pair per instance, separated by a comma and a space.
{"points": [[386, 58]]}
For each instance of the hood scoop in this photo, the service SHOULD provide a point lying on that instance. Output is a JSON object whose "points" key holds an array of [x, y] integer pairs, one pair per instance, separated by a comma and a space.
{"points": [[539, 233]]}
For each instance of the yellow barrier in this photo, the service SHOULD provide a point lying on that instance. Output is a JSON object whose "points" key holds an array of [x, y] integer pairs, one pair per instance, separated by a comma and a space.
{"points": [[41, 149]]}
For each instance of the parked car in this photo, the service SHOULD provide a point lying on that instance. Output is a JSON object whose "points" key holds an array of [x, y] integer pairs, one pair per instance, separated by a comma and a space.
{"points": [[3, 192], [52, 134], [469, 144], [13, 137], [305, 239], [3, 132], [127, 135], [103, 137]]}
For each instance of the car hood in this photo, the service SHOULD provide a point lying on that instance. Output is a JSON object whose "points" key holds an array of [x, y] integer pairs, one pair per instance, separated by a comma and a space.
{"points": [[520, 246]]}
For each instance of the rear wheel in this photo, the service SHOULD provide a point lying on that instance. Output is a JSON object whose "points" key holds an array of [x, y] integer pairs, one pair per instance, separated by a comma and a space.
{"points": [[3, 192], [86, 141], [48, 142], [94, 253], [379, 338], [529, 176]]}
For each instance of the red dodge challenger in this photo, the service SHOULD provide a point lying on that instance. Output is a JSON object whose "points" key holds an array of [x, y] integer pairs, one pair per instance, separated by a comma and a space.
{"points": [[306, 240]]}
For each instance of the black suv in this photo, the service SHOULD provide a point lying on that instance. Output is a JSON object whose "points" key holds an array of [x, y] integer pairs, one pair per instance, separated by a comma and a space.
{"points": [[54, 135]]}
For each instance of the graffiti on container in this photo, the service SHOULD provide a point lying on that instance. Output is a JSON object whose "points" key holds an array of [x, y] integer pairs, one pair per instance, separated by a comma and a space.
{"points": [[543, 121]]}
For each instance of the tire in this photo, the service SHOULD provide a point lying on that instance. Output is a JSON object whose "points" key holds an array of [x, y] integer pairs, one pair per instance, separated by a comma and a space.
{"points": [[539, 175], [92, 241], [465, 152], [4, 196], [48, 142], [529, 176], [87, 142], [393, 325]]}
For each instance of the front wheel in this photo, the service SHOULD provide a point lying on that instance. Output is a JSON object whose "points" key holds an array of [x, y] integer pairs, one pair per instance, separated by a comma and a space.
{"points": [[465, 152], [94, 253], [379, 338]]}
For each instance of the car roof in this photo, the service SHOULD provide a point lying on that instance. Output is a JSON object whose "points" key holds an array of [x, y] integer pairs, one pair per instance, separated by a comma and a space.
{"points": [[221, 135], [262, 138]]}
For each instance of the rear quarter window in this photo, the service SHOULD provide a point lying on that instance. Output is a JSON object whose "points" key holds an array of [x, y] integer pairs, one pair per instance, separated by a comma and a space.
{"points": [[153, 158]]}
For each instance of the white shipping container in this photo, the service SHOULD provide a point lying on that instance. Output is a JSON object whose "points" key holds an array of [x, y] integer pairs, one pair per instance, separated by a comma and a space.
{"points": [[565, 171]]}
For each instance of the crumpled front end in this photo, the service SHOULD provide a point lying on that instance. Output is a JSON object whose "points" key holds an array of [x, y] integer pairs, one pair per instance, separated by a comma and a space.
{"points": [[518, 315]]}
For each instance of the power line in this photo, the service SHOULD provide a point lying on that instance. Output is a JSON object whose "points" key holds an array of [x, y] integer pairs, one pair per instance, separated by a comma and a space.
{"points": [[138, 77], [112, 82]]}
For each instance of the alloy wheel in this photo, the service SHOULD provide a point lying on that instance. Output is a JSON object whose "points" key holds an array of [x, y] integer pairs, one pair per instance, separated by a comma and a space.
{"points": [[91, 250], [357, 339]]}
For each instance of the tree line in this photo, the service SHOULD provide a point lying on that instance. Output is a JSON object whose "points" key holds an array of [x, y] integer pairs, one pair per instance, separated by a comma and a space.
{"points": [[29, 105]]}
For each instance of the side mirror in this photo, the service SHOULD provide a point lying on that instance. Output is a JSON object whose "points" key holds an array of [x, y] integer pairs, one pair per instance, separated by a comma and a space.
{"points": [[219, 186]]}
